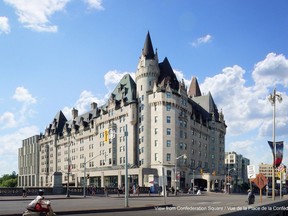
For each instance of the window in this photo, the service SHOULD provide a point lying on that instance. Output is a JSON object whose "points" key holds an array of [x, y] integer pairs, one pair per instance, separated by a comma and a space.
{"points": [[156, 119], [168, 106], [156, 143], [168, 157], [168, 94], [156, 156], [168, 131], [168, 143], [168, 119], [156, 131]]}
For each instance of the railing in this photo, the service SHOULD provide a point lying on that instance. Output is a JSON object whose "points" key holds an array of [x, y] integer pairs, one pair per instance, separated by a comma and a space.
{"points": [[17, 191]]}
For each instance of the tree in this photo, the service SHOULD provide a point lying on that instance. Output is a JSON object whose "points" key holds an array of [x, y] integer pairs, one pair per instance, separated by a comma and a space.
{"points": [[9, 180]]}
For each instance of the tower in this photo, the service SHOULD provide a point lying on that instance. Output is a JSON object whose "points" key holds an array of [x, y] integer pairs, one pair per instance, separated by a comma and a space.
{"points": [[147, 74]]}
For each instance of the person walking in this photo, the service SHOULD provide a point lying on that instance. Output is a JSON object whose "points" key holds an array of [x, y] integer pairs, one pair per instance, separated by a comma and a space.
{"points": [[251, 197], [24, 192]]}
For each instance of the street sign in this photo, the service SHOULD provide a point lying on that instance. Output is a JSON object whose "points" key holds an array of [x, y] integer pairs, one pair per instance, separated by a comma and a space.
{"points": [[260, 181], [251, 172]]}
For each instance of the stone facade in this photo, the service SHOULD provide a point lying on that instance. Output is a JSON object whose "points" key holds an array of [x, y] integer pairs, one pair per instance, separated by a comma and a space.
{"points": [[169, 128]]}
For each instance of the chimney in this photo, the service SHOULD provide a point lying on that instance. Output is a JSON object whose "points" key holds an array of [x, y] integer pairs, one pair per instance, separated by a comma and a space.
{"points": [[74, 113], [93, 105]]}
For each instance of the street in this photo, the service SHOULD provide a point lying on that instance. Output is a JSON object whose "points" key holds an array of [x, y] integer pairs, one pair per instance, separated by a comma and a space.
{"points": [[206, 204]]}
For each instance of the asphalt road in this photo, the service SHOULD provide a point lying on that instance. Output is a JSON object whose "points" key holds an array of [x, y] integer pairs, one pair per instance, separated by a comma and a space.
{"points": [[206, 204]]}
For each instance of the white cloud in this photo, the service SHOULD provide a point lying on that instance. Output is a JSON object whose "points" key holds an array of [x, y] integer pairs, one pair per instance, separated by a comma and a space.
{"points": [[202, 40], [180, 77], [35, 14], [95, 4], [245, 107], [111, 78], [4, 25], [22, 95], [271, 71], [8, 120], [10, 143], [83, 104]]}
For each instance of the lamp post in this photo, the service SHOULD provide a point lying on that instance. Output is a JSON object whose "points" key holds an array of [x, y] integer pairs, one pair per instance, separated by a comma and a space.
{"points": [[163, 182], [229, 182], [112, 136], [193, 182], [184, 156], [68, 169], [126, 168], [272, 99]]}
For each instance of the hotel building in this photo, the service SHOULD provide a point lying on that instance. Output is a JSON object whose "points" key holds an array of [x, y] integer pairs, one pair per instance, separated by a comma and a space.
{"points": [[173, 131]]}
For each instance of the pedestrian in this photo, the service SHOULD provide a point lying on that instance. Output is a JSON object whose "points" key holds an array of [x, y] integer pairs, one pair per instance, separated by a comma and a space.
{"points": [[24, 192], [159, 190], [106, 191], [138, 190], [172, 190], [251, 197]]}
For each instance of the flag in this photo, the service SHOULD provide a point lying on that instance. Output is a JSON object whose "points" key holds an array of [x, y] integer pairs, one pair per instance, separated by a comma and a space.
{"points": [[278, 155]]}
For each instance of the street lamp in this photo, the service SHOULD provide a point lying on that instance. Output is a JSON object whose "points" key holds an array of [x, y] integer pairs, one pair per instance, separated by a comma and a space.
{"points": [[68, 170], [184, 156], [193, 182], [229, 182], [272, 99], [112, 136], [163, 182], [126, 168]]}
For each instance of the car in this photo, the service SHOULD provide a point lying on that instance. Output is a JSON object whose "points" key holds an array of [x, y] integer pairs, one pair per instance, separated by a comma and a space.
{"points": [[270, 192]]}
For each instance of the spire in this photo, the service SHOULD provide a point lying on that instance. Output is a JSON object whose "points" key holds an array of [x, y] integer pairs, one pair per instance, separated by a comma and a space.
{"points": [[148, 51], [194, 90]]}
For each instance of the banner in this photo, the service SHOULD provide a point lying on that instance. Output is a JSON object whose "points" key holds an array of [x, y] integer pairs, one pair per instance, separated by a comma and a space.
{"points": [[278, 155]]}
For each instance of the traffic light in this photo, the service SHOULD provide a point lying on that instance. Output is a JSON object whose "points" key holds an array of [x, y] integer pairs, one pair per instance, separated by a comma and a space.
{"points": [[106, 135], [88, 176]]}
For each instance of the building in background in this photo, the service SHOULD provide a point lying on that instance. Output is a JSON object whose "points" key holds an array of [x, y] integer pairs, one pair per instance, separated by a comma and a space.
{"points": [[28, 162], [236, 169], [173, 131]]}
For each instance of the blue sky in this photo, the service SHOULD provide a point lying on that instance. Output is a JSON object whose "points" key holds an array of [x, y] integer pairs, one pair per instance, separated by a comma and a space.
{"points": [[60, 54]]}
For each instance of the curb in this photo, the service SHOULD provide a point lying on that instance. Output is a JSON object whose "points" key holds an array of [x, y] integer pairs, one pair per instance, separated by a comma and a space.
{"points": [[90, 211]]}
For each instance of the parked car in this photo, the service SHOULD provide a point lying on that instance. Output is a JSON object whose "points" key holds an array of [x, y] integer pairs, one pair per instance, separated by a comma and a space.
{"points": [[270, 192]]}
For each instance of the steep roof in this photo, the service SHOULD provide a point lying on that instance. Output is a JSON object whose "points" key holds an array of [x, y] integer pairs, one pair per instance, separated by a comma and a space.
{"points": [[207, 102], [167, 75], [148, 50], [194, 89], [57, 124], [125, 89]]}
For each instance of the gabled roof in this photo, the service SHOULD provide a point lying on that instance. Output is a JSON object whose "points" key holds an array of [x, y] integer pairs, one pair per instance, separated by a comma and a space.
{"points": [[59, 122], [167, 75], [207, 102], [148, 50], [194, 90], [125, 90]]}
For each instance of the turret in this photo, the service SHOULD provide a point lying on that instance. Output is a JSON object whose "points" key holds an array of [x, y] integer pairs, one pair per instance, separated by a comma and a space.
{"points": [[147, 69]]}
